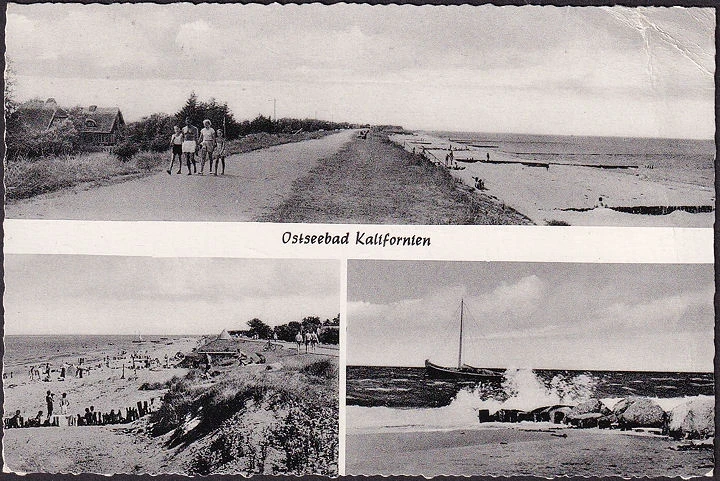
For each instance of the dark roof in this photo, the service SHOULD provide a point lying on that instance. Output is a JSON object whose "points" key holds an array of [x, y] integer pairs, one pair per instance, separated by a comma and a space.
{"points": [[38, 115], [99, 119], [222, 346]]}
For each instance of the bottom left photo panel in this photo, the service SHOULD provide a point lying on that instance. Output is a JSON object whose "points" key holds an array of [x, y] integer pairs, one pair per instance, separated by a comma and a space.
{"points": [[171, 365]]}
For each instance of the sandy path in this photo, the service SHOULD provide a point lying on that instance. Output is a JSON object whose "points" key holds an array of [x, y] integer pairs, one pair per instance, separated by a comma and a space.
{"points": [[545, 194], [254, 184], [512, 451]]}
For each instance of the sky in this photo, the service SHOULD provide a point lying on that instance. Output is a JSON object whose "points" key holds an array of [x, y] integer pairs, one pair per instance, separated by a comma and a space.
{"points": [[544, 70], [56, 294], [532, 315]]}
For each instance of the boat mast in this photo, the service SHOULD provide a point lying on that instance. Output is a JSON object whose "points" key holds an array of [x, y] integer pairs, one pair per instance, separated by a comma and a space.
{"points": [[461, 329]]}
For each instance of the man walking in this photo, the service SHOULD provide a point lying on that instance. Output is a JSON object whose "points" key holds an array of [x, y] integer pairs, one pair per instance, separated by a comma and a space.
{"points": [[189, 146]]}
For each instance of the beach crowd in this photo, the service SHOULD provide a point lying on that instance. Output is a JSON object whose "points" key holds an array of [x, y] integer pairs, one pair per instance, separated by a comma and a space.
{"points": [[188, 143]]}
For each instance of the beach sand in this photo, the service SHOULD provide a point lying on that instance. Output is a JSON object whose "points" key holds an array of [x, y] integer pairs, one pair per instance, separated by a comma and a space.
{"points": [[120, 448], [521, 450], [570, 193]]}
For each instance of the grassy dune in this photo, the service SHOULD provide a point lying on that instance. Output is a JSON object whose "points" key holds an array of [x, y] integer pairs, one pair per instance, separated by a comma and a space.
{"points": [[254, 421], [376, 182]]}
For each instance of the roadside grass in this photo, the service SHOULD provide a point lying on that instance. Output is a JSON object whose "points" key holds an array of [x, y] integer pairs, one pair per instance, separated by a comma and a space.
{"points": [[26, 177]]}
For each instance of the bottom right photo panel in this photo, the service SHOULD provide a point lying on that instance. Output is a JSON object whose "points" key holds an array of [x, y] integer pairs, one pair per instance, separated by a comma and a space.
{"points": [[545, 369]]}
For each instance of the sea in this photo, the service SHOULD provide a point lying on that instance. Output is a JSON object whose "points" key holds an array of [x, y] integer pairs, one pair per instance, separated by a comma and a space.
{"points": [[28, 350], [406, 398], [690, 154]]}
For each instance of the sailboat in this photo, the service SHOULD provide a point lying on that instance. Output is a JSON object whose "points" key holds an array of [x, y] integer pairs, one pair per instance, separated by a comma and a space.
{"points": [[462, 371]]}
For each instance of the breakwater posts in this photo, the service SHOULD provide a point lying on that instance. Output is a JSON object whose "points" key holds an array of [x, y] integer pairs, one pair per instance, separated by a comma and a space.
{"points": [[89, 418]]}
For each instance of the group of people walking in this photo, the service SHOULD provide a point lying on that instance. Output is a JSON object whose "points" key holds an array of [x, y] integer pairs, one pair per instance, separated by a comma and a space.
{"points": [[188, 142], [309, 338]]}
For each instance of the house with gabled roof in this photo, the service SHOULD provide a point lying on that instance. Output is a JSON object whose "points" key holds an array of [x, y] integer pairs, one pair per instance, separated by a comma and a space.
{"points": [[100, 125], [38, 115]]}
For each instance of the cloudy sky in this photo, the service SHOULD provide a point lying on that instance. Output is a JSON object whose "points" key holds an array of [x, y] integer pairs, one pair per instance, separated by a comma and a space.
{"points": [[129, 295], [532, 315], [594, 71]]}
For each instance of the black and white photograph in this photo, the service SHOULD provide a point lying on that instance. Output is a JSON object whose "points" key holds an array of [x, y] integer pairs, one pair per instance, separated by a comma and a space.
{"points": [[397, 114], [189, 366], [542, 369]]}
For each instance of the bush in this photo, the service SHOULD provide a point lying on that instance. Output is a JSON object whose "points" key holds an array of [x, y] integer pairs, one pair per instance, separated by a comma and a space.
{"points": [[330, 336], [148, 161], [125, 151], [60, 140], [324, 369]]}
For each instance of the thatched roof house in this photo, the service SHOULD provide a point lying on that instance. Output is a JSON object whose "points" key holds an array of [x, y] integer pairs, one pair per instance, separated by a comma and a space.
{"points": [[38, 115], [100, 125]]}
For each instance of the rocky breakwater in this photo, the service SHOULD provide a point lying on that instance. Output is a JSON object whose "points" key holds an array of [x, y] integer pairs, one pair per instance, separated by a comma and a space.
{"points": [[692, 419]]}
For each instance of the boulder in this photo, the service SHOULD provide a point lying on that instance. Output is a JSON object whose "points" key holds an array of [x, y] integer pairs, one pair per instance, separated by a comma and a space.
{"points": [[642, 413], [507, 415], [589, 406], [608, 422], [622, 405], [559, 415], [543, 414], [484, 416], [694, 419], [587, 420]]}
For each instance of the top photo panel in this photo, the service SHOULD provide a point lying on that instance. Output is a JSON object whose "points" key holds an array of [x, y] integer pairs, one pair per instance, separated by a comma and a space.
{"points": [[432, 115]]}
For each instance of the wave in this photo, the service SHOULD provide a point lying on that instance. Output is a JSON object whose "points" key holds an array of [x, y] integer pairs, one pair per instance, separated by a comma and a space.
{"points": [[522, 389]]}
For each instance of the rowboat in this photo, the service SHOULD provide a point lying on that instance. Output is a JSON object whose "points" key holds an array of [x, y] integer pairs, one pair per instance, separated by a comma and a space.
{"points": [[463, 371]]}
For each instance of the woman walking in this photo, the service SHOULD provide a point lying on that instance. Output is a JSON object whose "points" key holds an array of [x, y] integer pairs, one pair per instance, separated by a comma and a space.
{"points": [[207, 145], [176, 141]]}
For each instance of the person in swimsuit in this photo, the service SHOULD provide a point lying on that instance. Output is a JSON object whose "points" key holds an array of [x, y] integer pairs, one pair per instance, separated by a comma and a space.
{"points": [[64, 404], [298, 341], [189, 146], [219, 152], [207, 145], [176, 141]]}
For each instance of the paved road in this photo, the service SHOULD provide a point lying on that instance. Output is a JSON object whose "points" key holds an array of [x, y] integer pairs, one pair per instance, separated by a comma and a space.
{"points": [[255, 183]]}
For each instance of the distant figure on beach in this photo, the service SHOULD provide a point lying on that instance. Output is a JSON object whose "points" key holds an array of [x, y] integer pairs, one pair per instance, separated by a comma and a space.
{"points": [[207, 145], [62, 373], [298, 341], [36, 421], [88, 417], [601, 203], [32, 373], [15, 421], [313, 340], [220, 151], [449, 158], [50, 401], [176, 141], [189, 145], [64, 404], [488, 156]]}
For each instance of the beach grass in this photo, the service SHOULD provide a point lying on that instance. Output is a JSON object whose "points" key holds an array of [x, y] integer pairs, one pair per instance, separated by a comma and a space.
{"points": [[373, 181], [265, 421]]}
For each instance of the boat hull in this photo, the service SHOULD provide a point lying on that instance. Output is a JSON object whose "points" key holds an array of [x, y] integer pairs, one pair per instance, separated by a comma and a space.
{"points": [[468, 373]]}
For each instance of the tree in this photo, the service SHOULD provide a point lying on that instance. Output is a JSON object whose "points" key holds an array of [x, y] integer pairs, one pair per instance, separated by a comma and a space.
{"points": [[311, 323], [217, 112], [259, 328], [287, 332], [334, 322], [152, 132]]}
